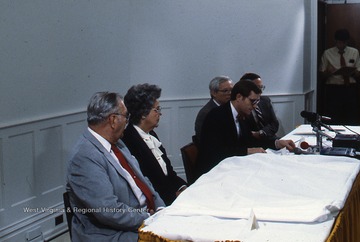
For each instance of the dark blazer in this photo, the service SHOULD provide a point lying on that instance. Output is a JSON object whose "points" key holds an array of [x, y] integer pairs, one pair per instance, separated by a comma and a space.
{"points": [[166, 186], [96, 183], [271, 123], [201, 117], [219, 139]]}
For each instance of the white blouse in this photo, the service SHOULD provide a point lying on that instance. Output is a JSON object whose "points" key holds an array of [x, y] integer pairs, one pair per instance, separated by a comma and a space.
{"points": [[153, 143]]}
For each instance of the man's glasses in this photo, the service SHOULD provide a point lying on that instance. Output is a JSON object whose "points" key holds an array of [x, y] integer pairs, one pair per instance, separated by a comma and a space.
{"points": [[126, 116], [254, 101], [262, 87], [225, 91]]}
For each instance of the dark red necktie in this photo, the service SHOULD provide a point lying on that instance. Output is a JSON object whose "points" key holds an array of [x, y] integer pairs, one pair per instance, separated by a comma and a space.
{"points": [[143, 187], [343, 64]]}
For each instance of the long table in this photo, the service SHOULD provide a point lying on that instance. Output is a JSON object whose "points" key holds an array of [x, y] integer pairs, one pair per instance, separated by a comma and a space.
{"points": [[266, 197], [347, 224]]}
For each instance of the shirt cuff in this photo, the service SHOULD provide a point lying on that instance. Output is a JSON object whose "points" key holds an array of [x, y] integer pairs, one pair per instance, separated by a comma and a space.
{"points": [[182, 188], [277, 144]]}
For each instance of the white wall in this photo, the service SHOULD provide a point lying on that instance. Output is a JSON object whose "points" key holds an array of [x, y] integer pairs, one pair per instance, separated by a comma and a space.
{"points": [[182, 45], [55, 54]]}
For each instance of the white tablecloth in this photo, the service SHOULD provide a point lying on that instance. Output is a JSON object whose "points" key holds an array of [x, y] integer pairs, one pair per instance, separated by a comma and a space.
{"points": [[260, 197]]}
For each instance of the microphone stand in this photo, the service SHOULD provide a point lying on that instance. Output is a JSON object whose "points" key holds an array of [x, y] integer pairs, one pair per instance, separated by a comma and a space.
{"points": [[317, 129], [319, 134], [339, 151]]}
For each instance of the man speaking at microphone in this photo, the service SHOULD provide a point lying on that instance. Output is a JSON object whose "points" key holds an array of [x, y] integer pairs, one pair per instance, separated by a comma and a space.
{"points": [[226, 132]]}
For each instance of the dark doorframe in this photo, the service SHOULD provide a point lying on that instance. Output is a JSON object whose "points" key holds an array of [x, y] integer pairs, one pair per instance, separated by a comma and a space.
{"points": [[330, 18], [321, 35]]}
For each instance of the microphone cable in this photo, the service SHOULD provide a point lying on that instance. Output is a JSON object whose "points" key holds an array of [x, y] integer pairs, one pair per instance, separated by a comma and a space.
{"points": [[346, 127]]}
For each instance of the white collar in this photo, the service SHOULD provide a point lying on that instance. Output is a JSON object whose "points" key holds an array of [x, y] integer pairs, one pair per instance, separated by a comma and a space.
{"points": [[234, 112], [101, 139], [216, 102], [142, 133]]}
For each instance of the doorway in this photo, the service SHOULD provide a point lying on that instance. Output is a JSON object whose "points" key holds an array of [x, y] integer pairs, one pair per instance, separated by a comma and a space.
{"points": [[330, 18]]}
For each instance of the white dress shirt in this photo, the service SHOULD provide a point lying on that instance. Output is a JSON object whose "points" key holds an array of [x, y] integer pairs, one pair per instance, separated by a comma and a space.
{"points": [[331, 57], [235, 114]]}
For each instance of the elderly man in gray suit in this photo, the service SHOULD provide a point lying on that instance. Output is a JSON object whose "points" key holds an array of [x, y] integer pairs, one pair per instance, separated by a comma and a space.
{"points": [[108, 193]]}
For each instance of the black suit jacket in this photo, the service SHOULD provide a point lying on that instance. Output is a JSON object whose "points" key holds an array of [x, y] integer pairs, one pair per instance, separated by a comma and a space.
{"points": [[201, 117], [219, 139], [166, 186], [271, 123]]}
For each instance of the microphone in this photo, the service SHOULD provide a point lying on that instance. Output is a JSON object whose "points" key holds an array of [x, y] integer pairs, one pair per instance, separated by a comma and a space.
{"points": [[313, 117]]}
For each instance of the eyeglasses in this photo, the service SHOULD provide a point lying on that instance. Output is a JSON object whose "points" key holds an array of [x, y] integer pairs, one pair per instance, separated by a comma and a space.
{"points": [[157, 109], [126, 116], [254, 101], [262, 87], [225, 91]]}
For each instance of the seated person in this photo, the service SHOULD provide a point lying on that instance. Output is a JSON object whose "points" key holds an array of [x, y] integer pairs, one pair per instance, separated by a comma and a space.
{"points": [[263, 121], [143, 105], [108, 193], [220, 89], [225, 132]]}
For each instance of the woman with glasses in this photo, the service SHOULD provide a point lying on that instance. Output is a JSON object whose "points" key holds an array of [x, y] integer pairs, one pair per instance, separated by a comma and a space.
{"points": [[139, 136]]}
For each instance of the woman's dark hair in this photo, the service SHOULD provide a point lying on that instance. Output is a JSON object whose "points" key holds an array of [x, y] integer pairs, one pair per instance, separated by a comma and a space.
{"points": [[140, 99]]}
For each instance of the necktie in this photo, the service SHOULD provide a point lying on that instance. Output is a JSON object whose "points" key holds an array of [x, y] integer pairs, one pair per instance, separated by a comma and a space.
{"points": [[343, 64], [260, 118], [143, 187]]}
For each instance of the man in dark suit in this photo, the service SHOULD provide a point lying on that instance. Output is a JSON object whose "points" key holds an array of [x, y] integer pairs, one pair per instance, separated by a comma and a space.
{"points": [[108, 193], [220, 89], [263, 121], [225, 132]]}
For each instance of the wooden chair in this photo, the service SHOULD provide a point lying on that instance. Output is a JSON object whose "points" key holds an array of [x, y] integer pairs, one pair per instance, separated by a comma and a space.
{"points": [[68, 210], [189, 155]]}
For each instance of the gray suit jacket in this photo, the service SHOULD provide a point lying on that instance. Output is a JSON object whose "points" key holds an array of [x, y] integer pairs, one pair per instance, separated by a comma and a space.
{"points": [[105, 206]]}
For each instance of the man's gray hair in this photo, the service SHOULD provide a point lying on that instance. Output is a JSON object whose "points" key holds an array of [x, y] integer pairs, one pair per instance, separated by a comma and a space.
{"points": [[216, 81], [101, 105]]}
